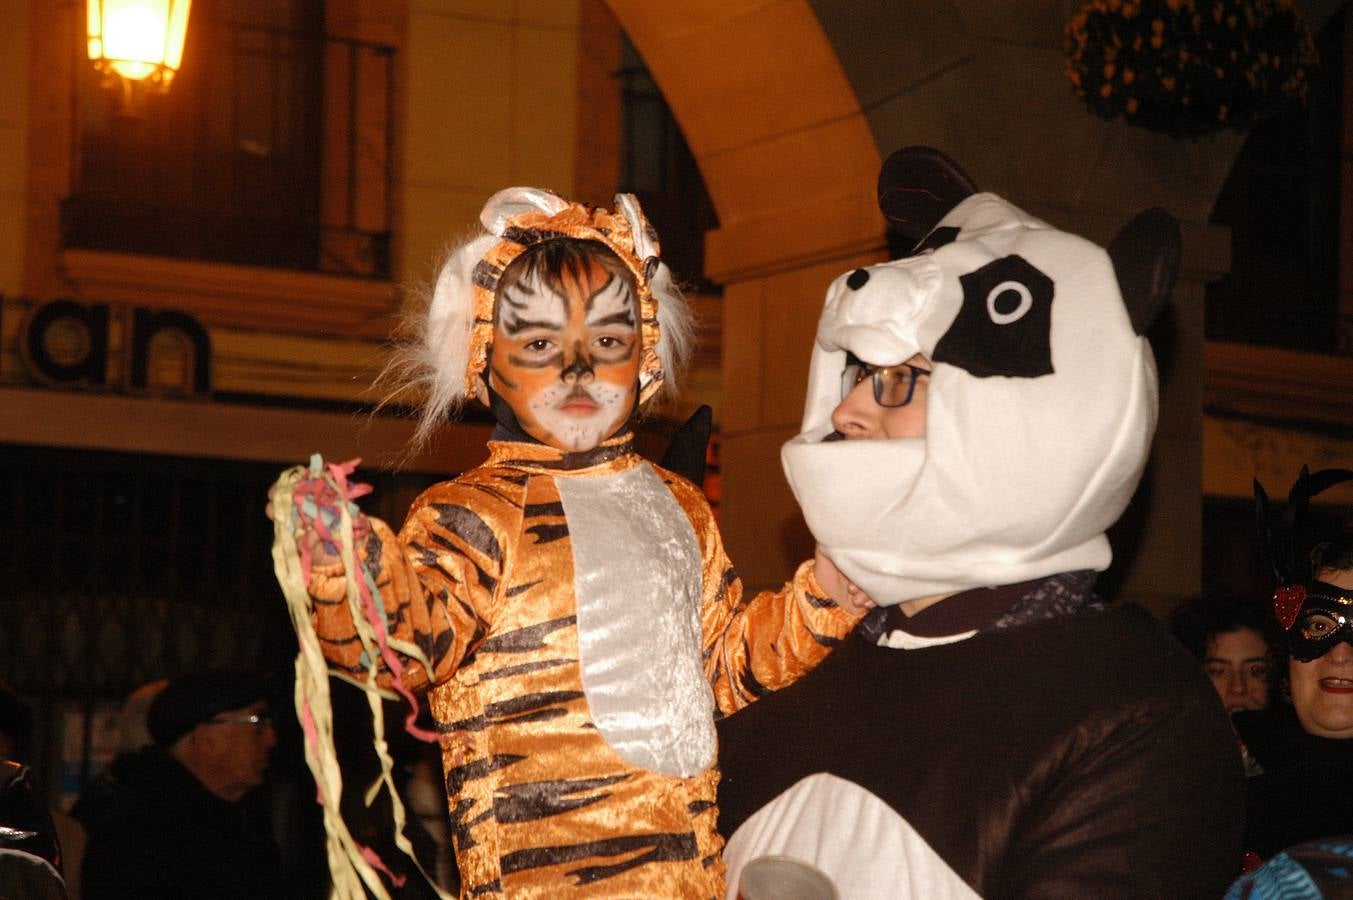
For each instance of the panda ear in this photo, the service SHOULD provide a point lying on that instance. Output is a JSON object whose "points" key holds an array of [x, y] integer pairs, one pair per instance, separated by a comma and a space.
{"points": [[1145, 258], [917, 187]]}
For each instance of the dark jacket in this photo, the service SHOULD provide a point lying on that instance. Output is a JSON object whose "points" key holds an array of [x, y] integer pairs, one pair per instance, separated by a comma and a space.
{"points": [[156, 832], [1306, 788], [30, 856], [1084, 755]]}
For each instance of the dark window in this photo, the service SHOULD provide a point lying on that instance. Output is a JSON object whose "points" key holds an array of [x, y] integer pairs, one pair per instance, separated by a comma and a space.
{"points": [[1234, 562], [254, 154], [1281, 202], [657, 166]]}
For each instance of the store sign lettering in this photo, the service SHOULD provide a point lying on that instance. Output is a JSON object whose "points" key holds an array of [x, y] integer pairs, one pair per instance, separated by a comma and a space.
{"points": [[88, 366]]}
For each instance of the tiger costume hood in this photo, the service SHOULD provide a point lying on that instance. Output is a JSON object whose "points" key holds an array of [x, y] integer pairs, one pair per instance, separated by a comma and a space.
{"points": [[454, 335], [1041, 407]]}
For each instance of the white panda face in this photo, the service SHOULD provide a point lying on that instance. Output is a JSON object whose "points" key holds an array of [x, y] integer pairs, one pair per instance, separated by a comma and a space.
{"points": [[1039, 412]]}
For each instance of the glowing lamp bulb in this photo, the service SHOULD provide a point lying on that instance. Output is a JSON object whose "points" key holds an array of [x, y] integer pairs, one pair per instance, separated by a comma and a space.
{"points": [[139, 40]]}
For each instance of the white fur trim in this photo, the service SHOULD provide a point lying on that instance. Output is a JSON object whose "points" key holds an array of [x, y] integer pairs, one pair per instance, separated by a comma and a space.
{"points": [[439, 360]]}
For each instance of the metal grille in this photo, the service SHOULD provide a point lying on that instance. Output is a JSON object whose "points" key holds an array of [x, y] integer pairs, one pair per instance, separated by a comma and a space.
{"points": [[121, 569]]}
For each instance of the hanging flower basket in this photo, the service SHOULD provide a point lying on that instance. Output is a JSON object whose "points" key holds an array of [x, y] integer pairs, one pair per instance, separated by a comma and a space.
{"points": [[1188, 67]]}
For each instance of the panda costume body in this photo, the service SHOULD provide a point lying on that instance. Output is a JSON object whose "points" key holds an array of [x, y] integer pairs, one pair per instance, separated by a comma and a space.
{"points": [[1016, 738]]}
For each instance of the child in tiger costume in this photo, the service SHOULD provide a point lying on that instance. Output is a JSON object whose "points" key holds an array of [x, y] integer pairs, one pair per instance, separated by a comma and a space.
{"points": [[582, 624]]}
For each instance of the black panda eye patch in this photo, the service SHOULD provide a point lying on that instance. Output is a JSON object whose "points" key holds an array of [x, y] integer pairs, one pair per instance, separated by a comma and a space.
{"points": [[1004, 326], [1008, 302]]}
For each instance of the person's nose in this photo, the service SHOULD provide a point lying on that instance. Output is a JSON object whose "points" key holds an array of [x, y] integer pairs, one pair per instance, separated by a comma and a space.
{"points": [[1341, 652], [579, 367], [857, 416], [1237, 684]]}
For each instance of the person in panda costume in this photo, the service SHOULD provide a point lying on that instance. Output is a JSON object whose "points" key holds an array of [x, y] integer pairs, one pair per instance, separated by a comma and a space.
{"points": [[979, 412]]}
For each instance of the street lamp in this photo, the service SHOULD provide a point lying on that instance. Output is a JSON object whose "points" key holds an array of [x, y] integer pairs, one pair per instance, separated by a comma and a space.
{"points": [[137, 44]]}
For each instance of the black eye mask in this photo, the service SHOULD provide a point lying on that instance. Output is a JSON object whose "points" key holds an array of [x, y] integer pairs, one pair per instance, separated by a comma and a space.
{"points": [[1324, 620]]}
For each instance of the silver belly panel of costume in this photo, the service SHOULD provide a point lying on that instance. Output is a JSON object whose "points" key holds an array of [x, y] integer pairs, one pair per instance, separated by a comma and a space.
{"points": [[638, 582]]}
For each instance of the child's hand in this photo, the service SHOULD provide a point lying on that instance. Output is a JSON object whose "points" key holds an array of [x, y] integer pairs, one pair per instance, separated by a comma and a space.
{"points": [[315, 520], [841, 589], [314, 549]]}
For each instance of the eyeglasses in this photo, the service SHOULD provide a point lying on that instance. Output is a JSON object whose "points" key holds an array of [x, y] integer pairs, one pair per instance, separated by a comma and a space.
{"points": [[251, 719], [893, 385]]}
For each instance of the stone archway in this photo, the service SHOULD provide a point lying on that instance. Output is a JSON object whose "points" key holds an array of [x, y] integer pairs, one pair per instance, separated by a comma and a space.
{"points": [[791, 173]]}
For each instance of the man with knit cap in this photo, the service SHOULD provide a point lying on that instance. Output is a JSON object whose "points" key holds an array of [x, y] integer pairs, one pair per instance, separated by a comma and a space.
{"points": [[175, 819], [979, 413]]}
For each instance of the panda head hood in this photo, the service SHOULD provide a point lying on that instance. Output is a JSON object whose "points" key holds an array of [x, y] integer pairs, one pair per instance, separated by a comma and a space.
{"points": [[1040, 409]]}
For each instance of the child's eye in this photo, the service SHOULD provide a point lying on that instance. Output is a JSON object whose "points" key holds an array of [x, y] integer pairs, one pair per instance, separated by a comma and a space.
{"points": [[539, 345]]}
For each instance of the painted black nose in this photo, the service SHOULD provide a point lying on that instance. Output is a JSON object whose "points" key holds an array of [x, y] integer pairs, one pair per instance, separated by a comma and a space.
{"points": [[581, 366], [857, 279]]}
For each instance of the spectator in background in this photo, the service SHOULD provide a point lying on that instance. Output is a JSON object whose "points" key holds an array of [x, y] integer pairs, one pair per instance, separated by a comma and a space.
{"points": [[30, 857], [1232, 637], [1304, 744], [22, 801], [179, 818]]}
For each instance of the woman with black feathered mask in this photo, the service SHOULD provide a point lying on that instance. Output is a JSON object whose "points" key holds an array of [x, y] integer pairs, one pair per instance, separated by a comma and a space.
{"points": [[1304, 742]]}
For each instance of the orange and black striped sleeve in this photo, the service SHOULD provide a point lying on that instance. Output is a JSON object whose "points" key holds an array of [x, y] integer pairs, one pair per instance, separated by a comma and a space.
{"points": [[753, 646]]}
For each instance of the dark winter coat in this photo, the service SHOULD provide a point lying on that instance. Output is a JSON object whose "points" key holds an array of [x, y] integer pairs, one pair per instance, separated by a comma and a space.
{"points": [[156, 832]]}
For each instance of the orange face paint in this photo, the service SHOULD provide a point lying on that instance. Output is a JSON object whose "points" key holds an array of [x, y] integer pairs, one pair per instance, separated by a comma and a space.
{"points": [[566, 355]]}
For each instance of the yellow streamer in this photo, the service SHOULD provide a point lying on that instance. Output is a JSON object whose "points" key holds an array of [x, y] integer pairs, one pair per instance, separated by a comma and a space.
{"points": [[348, 866]]}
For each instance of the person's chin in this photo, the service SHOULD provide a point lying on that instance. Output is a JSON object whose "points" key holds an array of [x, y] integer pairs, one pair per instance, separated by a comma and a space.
{"points": [[570, 435]]}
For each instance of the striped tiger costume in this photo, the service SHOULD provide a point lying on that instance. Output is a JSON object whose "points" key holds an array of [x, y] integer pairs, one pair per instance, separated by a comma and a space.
{"points": [[576, 673]]}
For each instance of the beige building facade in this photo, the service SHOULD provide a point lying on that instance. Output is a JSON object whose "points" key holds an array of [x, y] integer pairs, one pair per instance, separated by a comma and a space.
{"points": [[788, 107]]}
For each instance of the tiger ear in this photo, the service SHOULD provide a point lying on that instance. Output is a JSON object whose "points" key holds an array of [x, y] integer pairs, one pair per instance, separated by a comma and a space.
{"points": [[917, 187], [515, 201]]}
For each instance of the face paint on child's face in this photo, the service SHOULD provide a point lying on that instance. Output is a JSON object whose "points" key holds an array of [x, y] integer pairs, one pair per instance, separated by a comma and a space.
{"points": [[566, 359]]}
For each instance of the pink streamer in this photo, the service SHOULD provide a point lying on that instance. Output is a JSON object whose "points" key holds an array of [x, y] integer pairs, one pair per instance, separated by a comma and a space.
{"points": [[374, 859], [326, 498]]}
